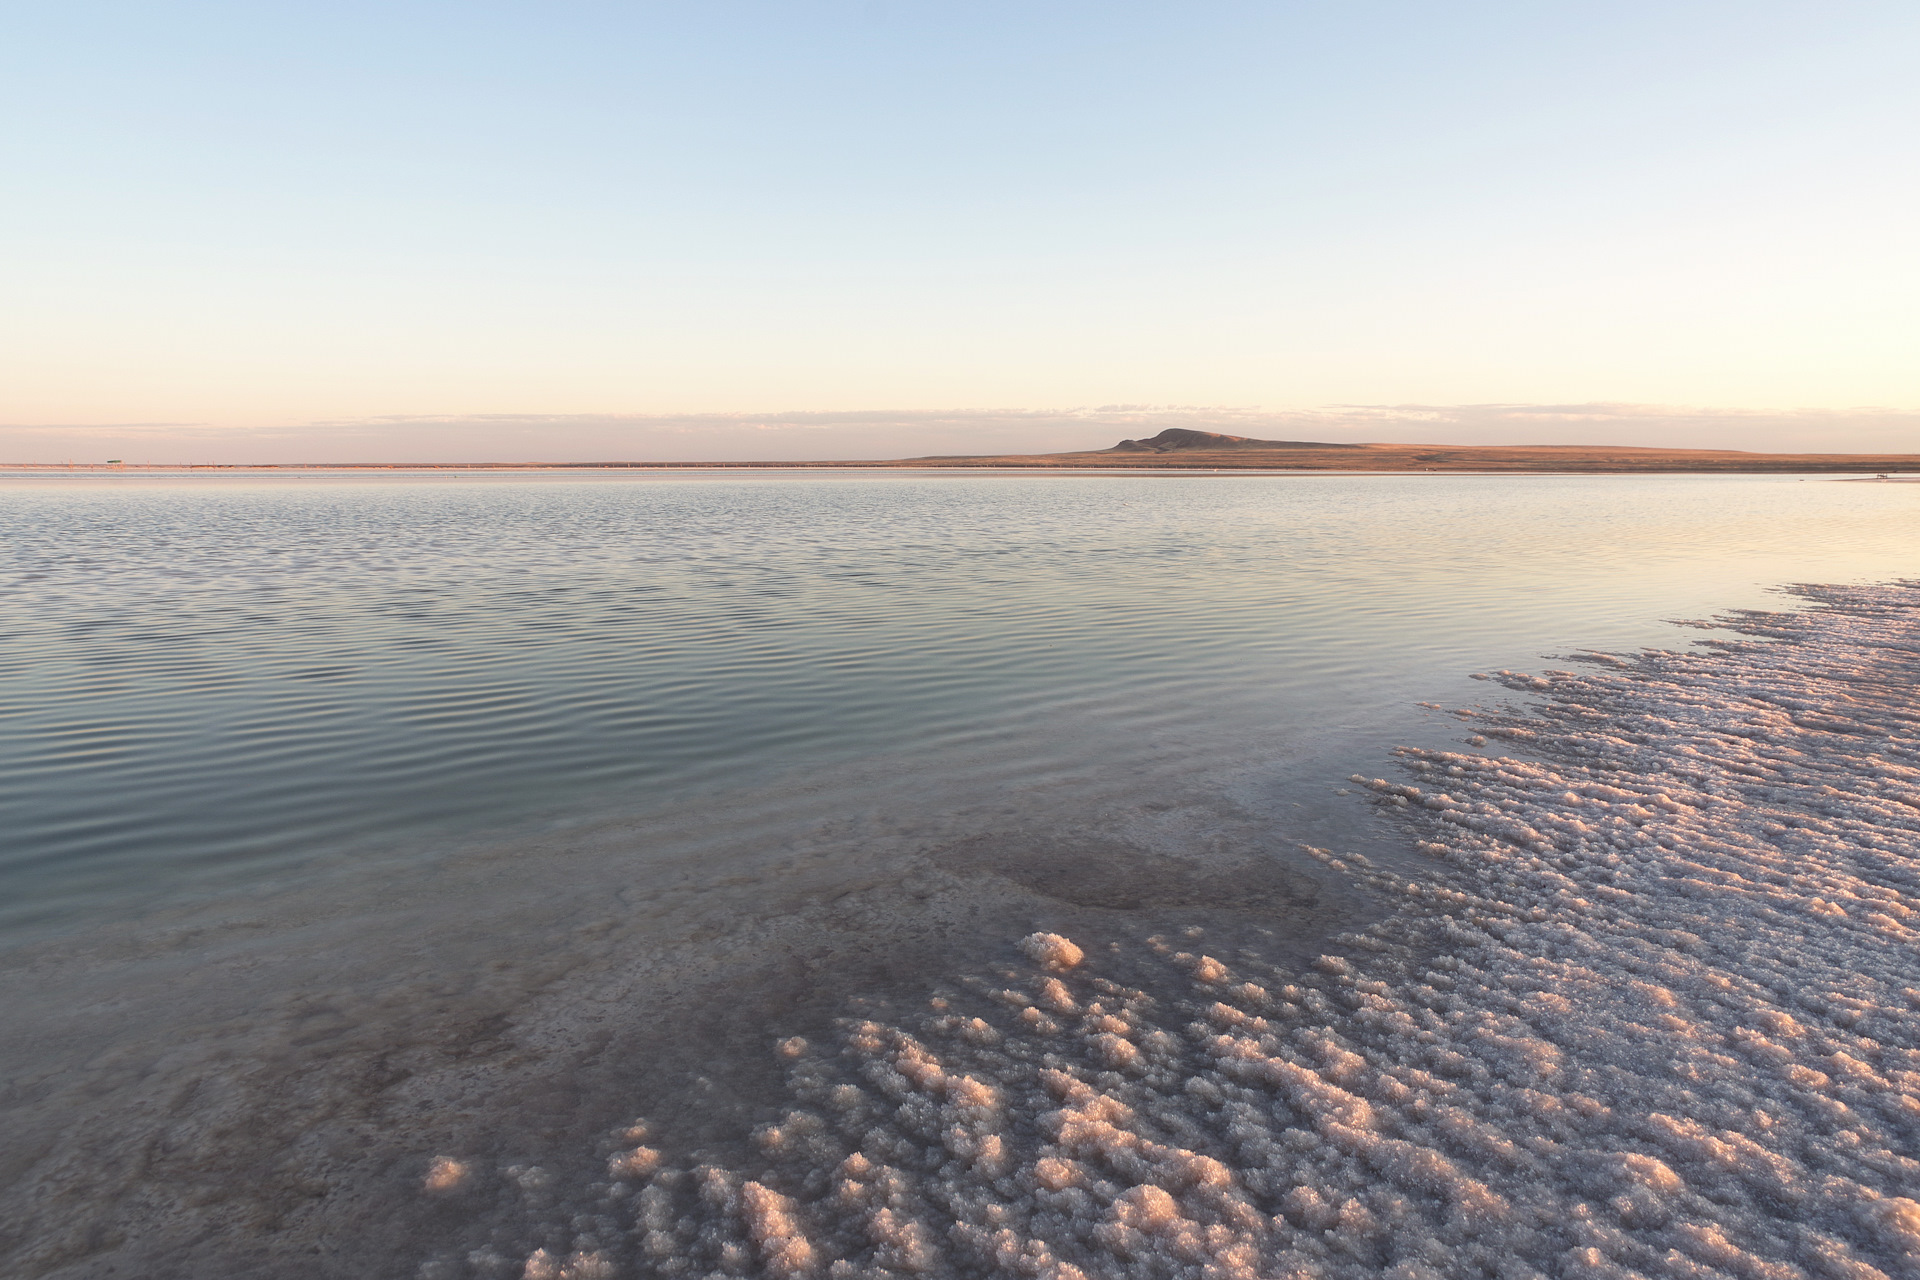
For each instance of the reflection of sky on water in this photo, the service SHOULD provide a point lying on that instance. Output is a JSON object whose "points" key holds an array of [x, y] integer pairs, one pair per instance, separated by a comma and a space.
{"points": [[227, 678]]}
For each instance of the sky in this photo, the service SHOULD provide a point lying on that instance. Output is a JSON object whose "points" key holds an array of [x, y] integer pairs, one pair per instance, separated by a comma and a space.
{"points": [[497, 231]]}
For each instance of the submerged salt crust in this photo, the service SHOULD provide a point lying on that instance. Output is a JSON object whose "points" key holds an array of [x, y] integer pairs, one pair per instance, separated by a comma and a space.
{"points": [[1645, 1006]]}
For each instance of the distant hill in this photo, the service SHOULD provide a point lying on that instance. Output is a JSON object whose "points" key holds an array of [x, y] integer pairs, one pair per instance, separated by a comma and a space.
{"points": [[1184, 449], [1176, 439]]}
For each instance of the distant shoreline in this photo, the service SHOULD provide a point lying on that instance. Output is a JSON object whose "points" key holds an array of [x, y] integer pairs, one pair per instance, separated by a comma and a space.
{"points": [[1594, 463], [1183, 449]]}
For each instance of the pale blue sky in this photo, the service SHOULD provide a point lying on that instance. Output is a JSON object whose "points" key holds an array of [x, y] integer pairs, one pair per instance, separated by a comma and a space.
{"points": [[278, 214]]}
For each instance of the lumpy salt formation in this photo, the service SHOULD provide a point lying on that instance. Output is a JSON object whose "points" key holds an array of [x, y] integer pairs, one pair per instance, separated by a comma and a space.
{"points": [[1648, 1008]]}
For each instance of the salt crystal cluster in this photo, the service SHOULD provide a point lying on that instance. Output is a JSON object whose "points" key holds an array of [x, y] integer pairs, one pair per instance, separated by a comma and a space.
{"points": [[1648, 1010]]}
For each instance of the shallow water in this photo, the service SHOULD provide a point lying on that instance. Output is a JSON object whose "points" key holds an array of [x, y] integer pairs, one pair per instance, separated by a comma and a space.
{"points": [[209, 682], [318, 787]]}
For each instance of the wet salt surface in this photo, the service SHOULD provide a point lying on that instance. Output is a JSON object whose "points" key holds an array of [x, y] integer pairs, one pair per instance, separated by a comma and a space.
{"points": [[607, 794], [1648, 1009], [252, 1092]]}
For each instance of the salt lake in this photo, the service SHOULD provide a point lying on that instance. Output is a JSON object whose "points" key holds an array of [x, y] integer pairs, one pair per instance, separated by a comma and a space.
{"points": [[378, 846]]}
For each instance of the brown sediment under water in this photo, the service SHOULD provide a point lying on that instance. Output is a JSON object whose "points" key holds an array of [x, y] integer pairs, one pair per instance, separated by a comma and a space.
{"points": [[251, 1091], [514, 878]]}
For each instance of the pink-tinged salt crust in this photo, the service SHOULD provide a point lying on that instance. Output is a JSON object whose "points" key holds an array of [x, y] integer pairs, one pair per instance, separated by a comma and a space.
{"points": [[1649, 1008]]}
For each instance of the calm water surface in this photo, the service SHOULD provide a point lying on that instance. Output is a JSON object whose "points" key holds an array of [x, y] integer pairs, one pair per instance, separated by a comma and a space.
{"points": [[348, 820], [208, 682]]}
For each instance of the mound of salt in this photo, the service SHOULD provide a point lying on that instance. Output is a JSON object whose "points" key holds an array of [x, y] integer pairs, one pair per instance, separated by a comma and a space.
{"points": [[1650, 1011], [1051, 951]]}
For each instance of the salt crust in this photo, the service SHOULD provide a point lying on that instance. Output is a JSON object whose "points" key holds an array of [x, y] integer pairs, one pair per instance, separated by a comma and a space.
{"points": [[1650, 1010]]}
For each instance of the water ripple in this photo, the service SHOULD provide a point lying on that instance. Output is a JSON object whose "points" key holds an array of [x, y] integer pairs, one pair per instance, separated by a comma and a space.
{"points": [[202, 681]]}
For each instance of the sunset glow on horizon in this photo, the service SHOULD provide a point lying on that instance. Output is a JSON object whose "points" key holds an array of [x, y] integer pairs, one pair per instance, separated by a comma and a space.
{"points": [[331, 224]]}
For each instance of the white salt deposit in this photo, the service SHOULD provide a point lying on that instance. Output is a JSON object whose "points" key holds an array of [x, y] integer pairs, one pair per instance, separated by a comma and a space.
{"points": [[445, 1174], [1649, 1009], [1051, 951]]}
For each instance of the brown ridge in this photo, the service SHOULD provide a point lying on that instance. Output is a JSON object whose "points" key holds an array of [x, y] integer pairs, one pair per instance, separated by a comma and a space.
{"points": [[1182, 449]]}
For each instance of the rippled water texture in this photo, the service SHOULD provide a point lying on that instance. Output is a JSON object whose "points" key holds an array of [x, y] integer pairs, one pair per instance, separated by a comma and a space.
{"points": [[209, 680], [352, 820]]}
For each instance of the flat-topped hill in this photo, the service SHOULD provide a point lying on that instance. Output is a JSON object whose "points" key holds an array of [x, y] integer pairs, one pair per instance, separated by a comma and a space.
{"points": [[1185, 440]]}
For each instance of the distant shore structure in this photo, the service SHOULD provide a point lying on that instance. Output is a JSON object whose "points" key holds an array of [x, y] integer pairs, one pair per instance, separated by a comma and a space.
{"points": [[1186, 449]]}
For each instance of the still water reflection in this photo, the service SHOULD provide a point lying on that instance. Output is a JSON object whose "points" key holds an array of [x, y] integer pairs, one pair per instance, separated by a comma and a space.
{"points": [[208, 682]]}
